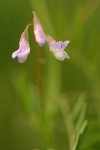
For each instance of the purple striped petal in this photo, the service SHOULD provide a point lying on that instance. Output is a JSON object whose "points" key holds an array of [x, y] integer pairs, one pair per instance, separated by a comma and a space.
{"points": [[56, 46]]}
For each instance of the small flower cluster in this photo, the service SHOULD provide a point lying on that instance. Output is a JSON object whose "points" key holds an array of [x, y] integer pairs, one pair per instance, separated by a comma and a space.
{"points": [[57, 48]]}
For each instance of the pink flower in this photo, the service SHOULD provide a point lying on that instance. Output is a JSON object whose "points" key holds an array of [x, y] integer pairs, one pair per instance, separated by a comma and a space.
{"points": [[38, 31], [24, 48], [58, 48]]}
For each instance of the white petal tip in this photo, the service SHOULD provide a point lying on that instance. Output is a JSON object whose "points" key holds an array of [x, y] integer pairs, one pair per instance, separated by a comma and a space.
{"points": [[61, 55], [67, 42], [14, 54], [67, 56]]}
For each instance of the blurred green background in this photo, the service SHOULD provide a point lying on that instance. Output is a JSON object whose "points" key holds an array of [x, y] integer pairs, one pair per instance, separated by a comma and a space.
{"points": [[45, 103]]}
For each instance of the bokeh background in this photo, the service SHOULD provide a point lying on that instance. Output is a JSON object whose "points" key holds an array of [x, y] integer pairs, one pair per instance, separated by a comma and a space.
{"points": [[46, 104]]}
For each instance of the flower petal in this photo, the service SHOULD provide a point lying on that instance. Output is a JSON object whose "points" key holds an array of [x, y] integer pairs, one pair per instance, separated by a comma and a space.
{"points": [[24, 48], [14, 54], [22, 56], [56, 46], [60, 55], [38, 31], [53, 46]]}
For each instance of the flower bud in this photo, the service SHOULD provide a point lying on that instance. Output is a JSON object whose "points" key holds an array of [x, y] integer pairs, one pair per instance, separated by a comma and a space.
{"points": [[24, 48], [38, 31]]}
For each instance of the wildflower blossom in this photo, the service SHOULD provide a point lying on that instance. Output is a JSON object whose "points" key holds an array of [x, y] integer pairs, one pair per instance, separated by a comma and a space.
{"points": [[58, 48], [38, 31], [24, 48]]}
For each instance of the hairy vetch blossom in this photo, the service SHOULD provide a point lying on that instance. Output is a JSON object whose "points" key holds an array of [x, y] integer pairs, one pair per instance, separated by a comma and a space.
{"points": [[58, 48], [38, 31], [24, 48]]}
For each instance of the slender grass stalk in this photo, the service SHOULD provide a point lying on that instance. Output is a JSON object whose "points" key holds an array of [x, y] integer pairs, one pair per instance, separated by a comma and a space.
{"points": [[66, 113], [38, 74]]}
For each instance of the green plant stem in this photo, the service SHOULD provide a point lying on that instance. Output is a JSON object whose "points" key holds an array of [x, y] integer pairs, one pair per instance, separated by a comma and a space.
{"points": [[66, 113], [38, 75]]}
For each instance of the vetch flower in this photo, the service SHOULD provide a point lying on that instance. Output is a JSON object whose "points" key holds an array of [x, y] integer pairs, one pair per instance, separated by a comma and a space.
{"points": [[24, 48], [38, 31], [58, 48]]}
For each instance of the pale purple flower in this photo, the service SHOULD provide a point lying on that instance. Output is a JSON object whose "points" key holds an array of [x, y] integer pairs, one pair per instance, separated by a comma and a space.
{"points": [[58, 48], [38, 31], [24, 48]]}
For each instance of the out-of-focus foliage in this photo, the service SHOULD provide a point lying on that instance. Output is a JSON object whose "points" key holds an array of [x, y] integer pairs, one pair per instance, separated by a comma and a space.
{"points": [[46, 104]]}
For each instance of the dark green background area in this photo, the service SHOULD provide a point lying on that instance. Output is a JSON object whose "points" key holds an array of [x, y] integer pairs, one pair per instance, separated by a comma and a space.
{"points": [[21, 92]]}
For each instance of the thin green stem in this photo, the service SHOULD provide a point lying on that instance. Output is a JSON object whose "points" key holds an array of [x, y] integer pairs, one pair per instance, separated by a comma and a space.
{"points": [[38, 75], [66, 113]]}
